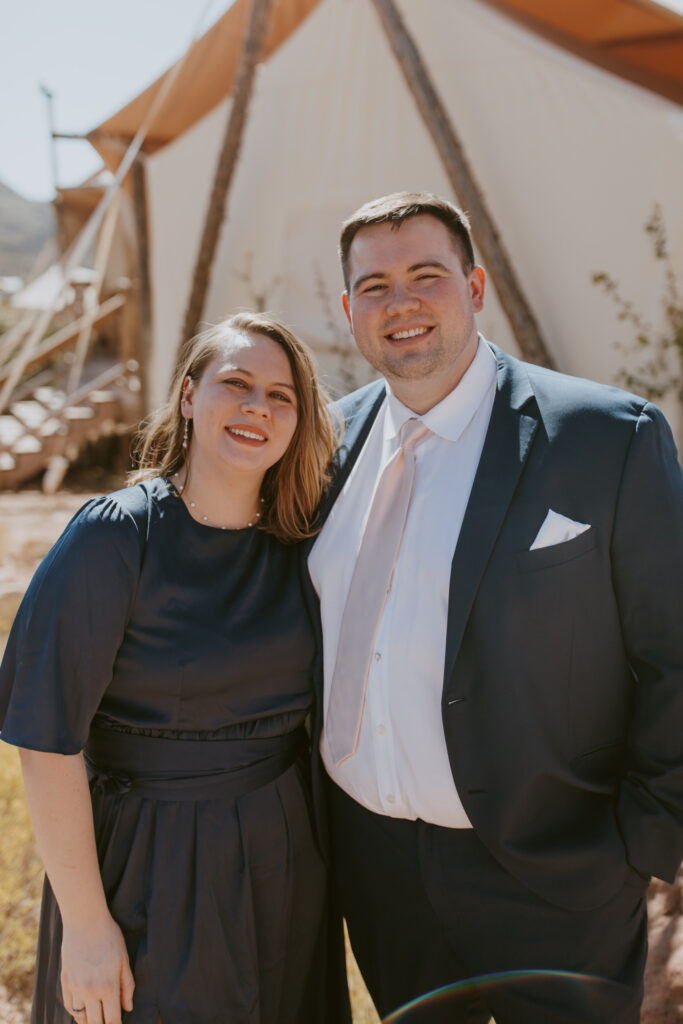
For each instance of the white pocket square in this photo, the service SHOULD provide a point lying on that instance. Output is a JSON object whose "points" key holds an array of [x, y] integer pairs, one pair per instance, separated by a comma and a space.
{"points": [[557, 529]]}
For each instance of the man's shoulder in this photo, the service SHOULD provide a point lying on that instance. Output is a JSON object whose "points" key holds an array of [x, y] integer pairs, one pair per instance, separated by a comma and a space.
{"points": [[559, 393], [361, 402]]}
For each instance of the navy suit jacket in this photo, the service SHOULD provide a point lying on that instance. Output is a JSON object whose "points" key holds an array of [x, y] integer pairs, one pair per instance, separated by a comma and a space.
{"points": [[562, 697]]}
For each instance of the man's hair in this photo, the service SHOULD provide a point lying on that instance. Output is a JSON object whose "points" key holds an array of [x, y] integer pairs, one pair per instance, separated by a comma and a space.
{"points": [[401, 206]]}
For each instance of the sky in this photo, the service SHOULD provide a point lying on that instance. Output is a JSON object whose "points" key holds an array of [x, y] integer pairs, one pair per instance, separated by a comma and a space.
{"points": [[93, 56]]}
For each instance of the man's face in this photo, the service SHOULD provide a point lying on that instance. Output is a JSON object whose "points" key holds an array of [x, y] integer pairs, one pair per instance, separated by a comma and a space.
{"points": [[411, 307]]}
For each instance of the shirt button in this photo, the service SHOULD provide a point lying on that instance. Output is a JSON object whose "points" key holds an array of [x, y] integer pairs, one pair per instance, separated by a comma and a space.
{"points": [[381, 730], [378, 656], [391, 799]]}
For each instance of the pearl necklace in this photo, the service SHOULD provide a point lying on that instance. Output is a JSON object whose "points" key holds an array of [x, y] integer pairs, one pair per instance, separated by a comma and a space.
{"points": [[180, 487]]}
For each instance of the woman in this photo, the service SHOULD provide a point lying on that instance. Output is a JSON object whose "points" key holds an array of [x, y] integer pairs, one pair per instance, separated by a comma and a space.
{"points": [[156, 681]]}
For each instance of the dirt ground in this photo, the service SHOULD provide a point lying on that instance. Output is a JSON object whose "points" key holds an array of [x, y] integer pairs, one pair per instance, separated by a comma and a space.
{"points": [[31, 522]]}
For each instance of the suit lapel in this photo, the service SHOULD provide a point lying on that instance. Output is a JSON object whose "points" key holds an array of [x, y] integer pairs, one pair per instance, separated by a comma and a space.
{"points": [[506, 448]]}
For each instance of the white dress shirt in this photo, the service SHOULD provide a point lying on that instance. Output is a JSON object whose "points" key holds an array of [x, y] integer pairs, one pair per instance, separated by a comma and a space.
{"points": [[401, 766]]}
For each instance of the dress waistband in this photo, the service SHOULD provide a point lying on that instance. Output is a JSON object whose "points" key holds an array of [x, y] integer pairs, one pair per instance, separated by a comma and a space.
{"points": [[177, 769]]}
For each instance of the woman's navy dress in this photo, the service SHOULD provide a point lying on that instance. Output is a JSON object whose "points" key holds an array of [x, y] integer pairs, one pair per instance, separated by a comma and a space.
{"points": [[178, 657]]}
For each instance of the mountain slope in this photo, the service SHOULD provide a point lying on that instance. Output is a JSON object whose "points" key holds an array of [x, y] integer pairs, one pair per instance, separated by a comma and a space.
{"points": [[25, 227]]}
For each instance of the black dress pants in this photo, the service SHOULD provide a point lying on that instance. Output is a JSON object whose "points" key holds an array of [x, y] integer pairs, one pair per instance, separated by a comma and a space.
{"points": [[429, 908]]}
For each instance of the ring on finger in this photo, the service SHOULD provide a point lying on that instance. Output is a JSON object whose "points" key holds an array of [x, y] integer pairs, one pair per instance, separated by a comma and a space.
{"points": [[75, 1009]]}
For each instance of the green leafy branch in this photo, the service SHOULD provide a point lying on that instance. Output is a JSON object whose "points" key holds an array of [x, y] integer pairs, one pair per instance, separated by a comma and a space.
{"points": [[656, 357]]}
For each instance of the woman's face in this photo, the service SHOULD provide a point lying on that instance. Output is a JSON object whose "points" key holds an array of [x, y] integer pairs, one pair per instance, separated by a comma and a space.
{"points": [[243, 408]]}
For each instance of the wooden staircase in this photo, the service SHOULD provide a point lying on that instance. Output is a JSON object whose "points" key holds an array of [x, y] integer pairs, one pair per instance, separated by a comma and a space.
{"points": [[43, 430]]}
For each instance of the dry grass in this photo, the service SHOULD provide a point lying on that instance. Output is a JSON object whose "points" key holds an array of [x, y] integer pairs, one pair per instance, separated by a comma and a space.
{"points": [[361, 1004], [21, 876]]}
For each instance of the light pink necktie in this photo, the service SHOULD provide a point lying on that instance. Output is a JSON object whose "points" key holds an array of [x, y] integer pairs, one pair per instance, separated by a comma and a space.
{"points": [[370, 584]]}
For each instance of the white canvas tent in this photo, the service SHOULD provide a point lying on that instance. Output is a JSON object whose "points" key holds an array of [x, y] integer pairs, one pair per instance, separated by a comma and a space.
{"points": [[571, 158]]}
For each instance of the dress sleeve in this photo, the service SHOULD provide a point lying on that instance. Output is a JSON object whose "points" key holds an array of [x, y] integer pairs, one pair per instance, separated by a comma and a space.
{"points": [[69, 627]]}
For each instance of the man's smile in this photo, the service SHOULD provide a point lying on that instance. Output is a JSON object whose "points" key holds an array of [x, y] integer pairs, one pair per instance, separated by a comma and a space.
{"points": [[409, 332]]}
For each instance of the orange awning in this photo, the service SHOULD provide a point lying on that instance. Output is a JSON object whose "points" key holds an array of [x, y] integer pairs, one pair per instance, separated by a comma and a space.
{"points": [[639, 40], [204, 81]]}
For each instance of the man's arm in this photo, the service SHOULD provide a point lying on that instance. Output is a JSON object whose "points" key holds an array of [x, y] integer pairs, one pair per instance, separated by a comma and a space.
{"points": [[647, 568]]}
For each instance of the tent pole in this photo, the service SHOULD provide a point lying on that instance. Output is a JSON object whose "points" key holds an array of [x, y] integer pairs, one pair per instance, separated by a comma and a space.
{"points": [[143, 292], [486, 236], [227, 161]]}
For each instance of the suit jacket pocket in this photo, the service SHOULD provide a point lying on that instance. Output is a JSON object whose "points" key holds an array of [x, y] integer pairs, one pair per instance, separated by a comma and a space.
{"points": [[557, 554]]}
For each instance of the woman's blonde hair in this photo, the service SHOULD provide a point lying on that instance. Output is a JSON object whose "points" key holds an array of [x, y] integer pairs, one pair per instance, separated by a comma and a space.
{"points": [[293, 487]]}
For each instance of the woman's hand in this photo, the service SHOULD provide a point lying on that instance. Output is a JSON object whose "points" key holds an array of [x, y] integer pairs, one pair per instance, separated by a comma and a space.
{"points": [[96, 976]]}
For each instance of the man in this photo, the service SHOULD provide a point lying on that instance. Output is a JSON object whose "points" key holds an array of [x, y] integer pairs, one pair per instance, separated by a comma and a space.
{"points": [[499, 575]]}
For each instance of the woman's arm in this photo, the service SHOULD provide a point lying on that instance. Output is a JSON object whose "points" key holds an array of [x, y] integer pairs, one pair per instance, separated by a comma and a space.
{"points": [[95, 969]]}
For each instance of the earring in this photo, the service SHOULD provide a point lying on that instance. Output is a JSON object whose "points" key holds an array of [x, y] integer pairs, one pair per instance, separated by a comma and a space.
{"points": [[186, 435]]}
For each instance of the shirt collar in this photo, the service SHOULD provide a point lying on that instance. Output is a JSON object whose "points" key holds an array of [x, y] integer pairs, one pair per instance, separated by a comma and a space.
{"points": [[453, 413]]}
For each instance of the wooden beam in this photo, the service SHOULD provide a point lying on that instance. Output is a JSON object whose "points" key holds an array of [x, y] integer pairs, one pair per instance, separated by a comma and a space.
{"points": [[63, 337], [647, 39], [119, 140], [144, 288], [463, 181], [11, 338], [227, 160], [102, 380], [91, 295]]}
